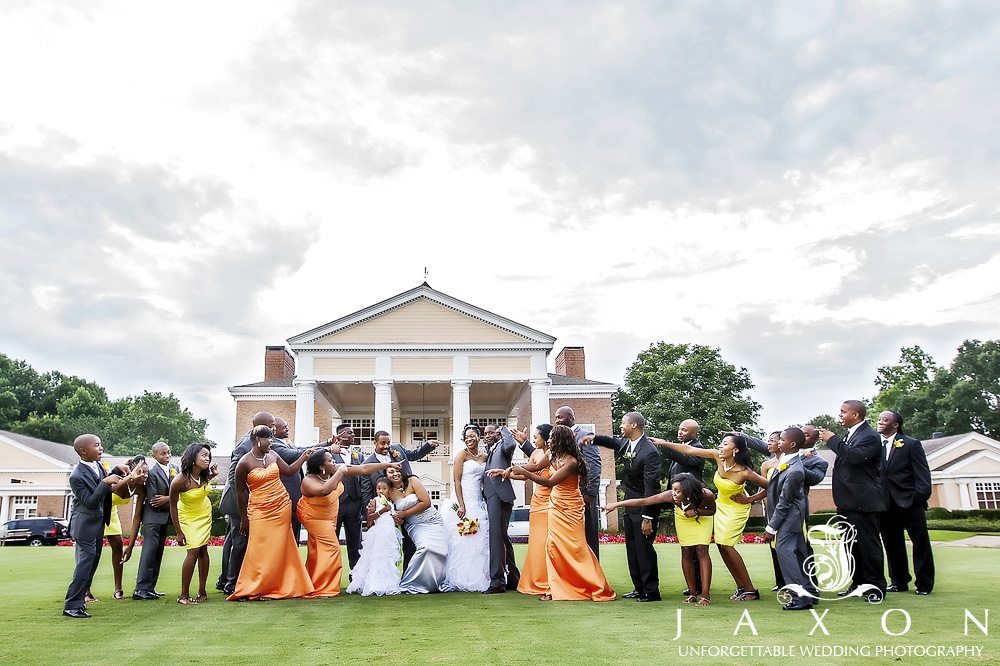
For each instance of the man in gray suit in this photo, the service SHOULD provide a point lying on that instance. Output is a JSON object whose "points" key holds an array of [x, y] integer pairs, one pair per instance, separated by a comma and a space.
{"points": [[592, 457], [387, 452], [499, 493], [786, 517], [155, 518], [91, 512]]}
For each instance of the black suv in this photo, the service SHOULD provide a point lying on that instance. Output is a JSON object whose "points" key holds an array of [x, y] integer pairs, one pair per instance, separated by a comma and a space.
{"points": [[33, 531]]}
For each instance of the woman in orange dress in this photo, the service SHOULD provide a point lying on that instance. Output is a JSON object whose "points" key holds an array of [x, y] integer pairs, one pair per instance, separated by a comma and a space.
{"points": [[573, 570], [272, 568], [534, 575], [318, 509]]}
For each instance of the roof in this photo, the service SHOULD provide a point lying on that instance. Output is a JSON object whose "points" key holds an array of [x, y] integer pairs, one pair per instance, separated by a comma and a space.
{"points": [[566, 380], [62, 452], [930, 446], [268, 383], [533, 337]]}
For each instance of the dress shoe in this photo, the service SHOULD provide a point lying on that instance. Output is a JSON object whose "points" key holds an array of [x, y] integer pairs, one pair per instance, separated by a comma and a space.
{"points": [[220, 587], [775, 588], [896, 588], [848, 592], [796, 605], [494, 590], [922, 593], [76, 613], [158, 594], [686, 593], [144, 596], [645, 599], [634, 594]]}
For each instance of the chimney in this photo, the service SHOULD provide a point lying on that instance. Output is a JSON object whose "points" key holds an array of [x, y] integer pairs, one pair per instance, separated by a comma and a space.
{"points": [[278, 363], [571, 362]]}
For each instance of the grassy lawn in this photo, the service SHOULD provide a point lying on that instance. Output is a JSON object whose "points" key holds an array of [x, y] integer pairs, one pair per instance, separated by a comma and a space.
{"points": [[952, 535], [468, 628]]}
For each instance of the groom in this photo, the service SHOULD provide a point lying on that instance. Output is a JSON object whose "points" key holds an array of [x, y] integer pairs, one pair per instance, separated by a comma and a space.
{"points": [[499, 495]]}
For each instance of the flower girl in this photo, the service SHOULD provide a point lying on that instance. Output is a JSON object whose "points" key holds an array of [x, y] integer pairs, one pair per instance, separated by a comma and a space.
{"points": [[377, 571]]}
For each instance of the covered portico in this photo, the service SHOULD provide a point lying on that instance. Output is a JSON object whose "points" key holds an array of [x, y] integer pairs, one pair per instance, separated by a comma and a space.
{"points": [[419, 365]]}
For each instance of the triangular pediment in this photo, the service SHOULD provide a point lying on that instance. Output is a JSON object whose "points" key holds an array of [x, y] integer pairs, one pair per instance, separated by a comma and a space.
{"points": [[422, 317], [958, 449]]}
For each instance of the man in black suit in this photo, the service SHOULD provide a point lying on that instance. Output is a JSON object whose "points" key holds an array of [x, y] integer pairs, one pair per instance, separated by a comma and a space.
{"points": [[387, 452], [349, 513], [641, 479], [857, 492], [293, 483], [906, 487], [155, 518], [91, 512], [786, 520]]}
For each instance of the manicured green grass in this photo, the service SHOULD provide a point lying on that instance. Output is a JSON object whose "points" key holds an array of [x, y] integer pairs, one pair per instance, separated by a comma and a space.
{"points": [[467, 628], [952, 535]]}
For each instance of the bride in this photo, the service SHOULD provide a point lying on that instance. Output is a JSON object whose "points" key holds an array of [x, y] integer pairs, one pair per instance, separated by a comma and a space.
{"points": [[468, 564]]}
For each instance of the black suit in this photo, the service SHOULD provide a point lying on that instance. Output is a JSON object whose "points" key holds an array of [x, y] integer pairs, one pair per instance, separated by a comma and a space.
{"points": [[91, 512], [293, 483], [154, 530], [906, 487], [857, 492], [683, 463], [641, 479], [397, 454], [349, 512], [229, 505]]}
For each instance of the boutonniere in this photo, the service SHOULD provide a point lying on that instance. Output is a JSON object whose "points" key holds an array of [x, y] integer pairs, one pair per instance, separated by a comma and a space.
{"points": [[782, 467], [173, 472], [395, 454], [809, 454], [898, 443], [629, 455]]}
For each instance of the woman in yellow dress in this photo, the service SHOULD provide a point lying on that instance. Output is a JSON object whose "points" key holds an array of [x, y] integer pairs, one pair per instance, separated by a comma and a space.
{"points": [[133, 478], [694, 506], [574, 574], [318, 509], [191, 512], [534, 575], [733, 471]]}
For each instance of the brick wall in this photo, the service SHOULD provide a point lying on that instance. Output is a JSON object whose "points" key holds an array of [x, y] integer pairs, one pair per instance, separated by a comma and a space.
{"points": [[278, 363], [572, 363], [51, 506], [245, 409]]}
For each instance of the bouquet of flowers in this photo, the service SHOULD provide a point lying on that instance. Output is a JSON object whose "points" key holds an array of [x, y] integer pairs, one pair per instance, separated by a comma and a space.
{"points": [[466, 526]]}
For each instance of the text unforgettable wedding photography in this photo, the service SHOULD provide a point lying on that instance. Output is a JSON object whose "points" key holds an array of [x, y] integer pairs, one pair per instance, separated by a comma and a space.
{"points": [[591, 332]]}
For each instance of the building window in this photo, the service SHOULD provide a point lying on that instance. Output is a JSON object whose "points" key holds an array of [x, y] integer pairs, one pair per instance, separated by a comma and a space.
{"points": [[24, 507], [988, 495], [422, 430], [484, 421], [435, 495], [364, 430]]}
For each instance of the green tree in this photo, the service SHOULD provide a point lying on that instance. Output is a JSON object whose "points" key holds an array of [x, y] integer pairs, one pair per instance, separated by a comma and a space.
{"points": [[668, 383], [136, 423], [960, 398]]}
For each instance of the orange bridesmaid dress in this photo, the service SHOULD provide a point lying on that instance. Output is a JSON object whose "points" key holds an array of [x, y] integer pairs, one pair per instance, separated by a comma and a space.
{"points": [[319, 517], [272, 568], [573, 570], [534, 575]]}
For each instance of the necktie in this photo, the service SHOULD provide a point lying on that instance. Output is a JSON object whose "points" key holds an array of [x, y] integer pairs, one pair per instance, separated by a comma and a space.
{"points": [[888, 448]]}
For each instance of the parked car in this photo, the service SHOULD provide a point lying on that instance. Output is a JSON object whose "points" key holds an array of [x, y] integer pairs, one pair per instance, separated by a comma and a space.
{"points": [[34, 531], [519, 522]]}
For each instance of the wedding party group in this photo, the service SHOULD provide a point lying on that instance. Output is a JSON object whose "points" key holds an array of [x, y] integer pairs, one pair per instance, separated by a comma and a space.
{"points": [[397, 542]]}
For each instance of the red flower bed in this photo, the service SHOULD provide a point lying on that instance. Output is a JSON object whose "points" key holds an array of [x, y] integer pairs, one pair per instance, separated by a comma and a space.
{"points": [[618, 537], [171, 541]]}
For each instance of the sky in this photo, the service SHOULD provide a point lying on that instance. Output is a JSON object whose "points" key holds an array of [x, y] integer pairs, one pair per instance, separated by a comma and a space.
{"points": [[807, 186]]}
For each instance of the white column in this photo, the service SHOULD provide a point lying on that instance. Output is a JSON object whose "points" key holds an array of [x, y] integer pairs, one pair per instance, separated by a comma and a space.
{"points": [[383, 405], [305, 421], [461, 412], [539, 401], [965, 495]]}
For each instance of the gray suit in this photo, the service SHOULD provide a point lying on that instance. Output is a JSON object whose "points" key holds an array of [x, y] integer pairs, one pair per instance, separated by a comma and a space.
{"points": [[786, 514], [591, 520], [154, 530], [499, 493], [91, 512]]}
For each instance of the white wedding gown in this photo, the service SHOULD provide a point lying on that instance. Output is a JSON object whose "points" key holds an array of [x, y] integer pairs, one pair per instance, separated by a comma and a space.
{"points": [[468, 566]]}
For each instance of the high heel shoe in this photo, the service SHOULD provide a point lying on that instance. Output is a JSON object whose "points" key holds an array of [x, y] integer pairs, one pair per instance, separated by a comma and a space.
{"points": [[749, 595], [738, 594]]}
